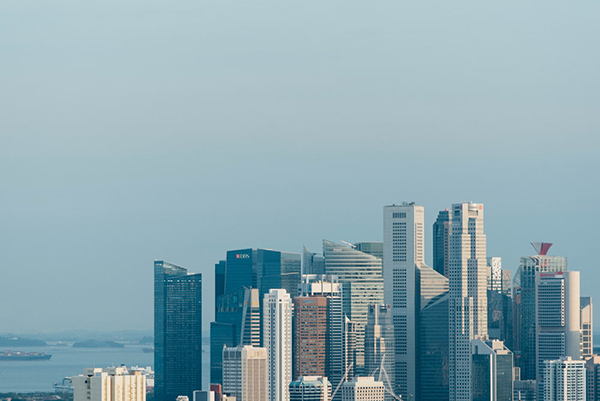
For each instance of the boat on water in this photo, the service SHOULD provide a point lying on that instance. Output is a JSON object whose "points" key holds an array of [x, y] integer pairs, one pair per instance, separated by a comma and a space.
{"points": [[24, 356]]}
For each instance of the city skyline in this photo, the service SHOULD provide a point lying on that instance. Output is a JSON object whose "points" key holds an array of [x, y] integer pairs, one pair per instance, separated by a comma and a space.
{"points": [[144, 130]]}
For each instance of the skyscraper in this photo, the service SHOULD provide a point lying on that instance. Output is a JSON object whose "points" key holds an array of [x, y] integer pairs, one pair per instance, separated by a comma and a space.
{"points": [[277, 337], [336, 355], [525, 305], [247, 274], [557, 318], [441, 242], [110, 384], [312, 263], [245, 372], [468, 293], [587, 327], [564, 380], [404, 253], [362, 285], [491, 371], [380, 347], [177, 331], [310, 335]]}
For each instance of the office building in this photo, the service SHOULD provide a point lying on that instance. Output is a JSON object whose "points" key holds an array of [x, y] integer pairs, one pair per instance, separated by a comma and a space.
{"points": [[592, 375], [111, 384], [557, 318], [310, 388], [247, 274], [363, 389], [237, 322], [310, 336], [434, 350], [587, 327], [204, 396], [468, 294], [312, 263], [374, 248], [491, 371], [500, 317], [404, 253], [277, 337], [379, 347], [245, 372], [564, 380], [524, 390], [362, 285], [336, 355], [177, 331], [525, 305], [441, 242]]}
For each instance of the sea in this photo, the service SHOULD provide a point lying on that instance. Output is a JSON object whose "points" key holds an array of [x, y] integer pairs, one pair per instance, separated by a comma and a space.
{"points": [[66, 361]]}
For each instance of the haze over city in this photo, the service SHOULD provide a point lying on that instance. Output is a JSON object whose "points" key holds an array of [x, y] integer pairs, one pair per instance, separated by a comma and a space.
{"points": [[177, 131]]}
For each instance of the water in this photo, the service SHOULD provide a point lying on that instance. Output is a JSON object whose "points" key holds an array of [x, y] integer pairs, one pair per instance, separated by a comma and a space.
{"points": [[28, 376]]}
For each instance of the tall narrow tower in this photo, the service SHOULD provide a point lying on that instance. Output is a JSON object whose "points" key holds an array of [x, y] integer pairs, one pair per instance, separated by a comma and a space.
{"points": [[468, 293], [177, 331], [403, 254], [277, 336]]}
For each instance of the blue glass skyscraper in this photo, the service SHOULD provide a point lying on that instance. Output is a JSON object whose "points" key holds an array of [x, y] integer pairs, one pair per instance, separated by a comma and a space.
{"points": [[177, 331]]}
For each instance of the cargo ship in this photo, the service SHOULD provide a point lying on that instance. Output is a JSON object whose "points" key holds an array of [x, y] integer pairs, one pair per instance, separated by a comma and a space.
{"points": [[24, 356]]}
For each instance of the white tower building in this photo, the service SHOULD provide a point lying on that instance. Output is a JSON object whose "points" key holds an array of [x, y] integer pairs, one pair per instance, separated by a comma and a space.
{"points": [[277, 339], [112, 384], [363, 389], [245, 372], [403, 254], [468, 293], [564, 380], [557, 318]]}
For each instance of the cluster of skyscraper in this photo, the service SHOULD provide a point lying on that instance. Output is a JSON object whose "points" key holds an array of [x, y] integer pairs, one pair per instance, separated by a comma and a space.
{"points": [[371, 321]]}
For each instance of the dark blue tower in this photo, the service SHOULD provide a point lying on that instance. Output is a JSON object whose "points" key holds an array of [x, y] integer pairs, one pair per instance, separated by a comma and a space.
{"points": [[177, 331]]}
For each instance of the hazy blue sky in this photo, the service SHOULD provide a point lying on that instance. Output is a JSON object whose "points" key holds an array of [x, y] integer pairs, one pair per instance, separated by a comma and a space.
{"points": [[140, 130]]}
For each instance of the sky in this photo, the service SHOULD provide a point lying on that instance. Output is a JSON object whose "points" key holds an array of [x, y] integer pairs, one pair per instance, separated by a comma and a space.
{"points": [[139, 130]]}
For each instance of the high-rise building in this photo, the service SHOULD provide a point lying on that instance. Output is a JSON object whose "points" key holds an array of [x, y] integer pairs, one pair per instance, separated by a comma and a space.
{"points": [[491, 371], [587, 327], [434, 350], [110, 384], [404, 253], [310, 388], [245, 372], [362, 285], [525, 305], [277, 337], [363, 389], [468, 294], [524, 390], [380, 347], [247, 274], [592, 374], [564, 380], [557, 318], [441, 242], [310, 336], [312, 263], [494, 274], [177, 331], [335, 339], [238, 322], [374, 248]]}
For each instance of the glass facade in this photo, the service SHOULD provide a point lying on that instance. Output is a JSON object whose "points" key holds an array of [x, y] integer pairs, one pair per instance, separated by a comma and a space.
{"points": [[361, 276], [177, 331], [525, 307], [433, 346]]}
